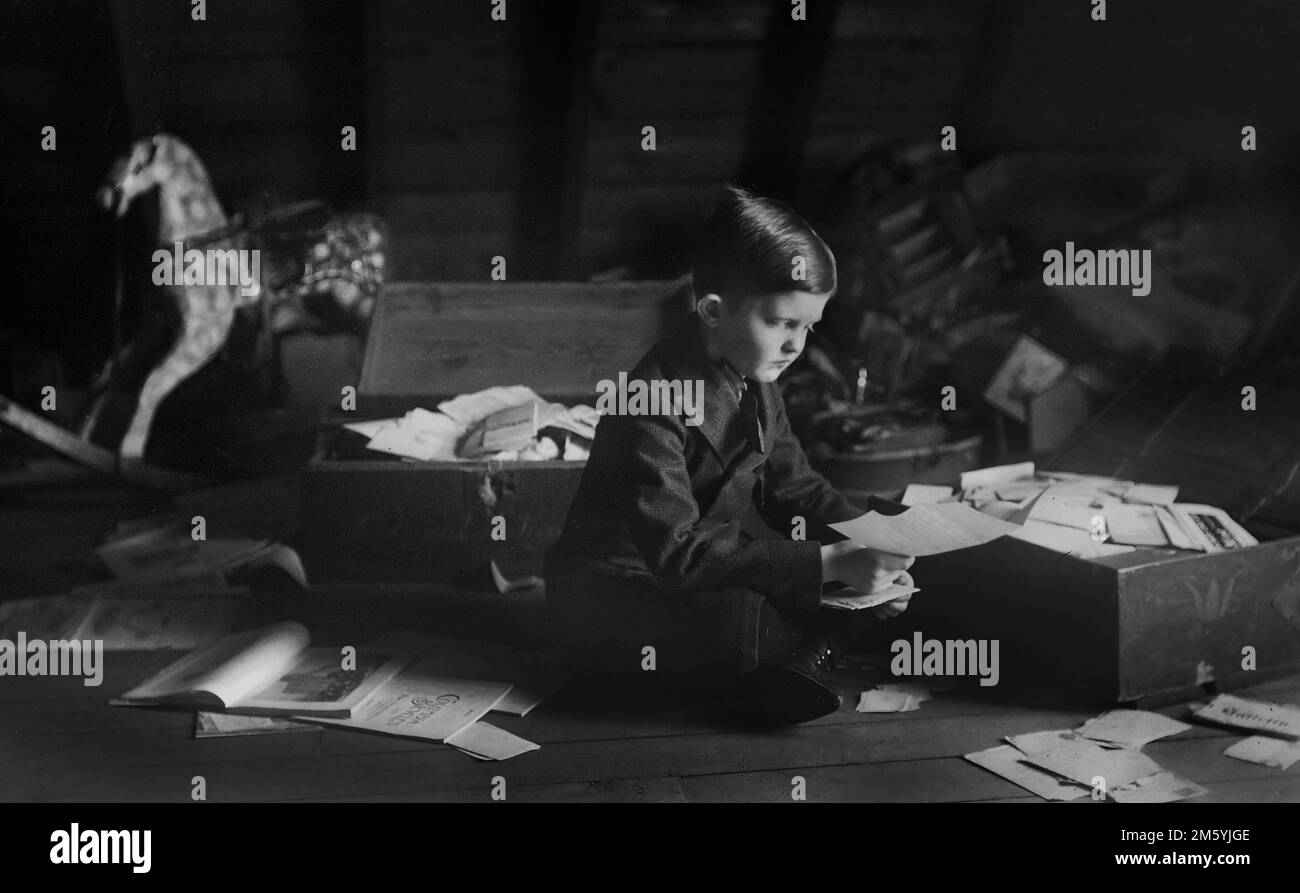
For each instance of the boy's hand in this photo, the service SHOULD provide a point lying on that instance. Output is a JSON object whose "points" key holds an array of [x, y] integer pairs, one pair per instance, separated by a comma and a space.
{"points": [[862, 568], [896, 606]]}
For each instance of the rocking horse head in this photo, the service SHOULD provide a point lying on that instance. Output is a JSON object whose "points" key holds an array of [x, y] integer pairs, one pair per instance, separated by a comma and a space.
{"points": [[187, 203]]}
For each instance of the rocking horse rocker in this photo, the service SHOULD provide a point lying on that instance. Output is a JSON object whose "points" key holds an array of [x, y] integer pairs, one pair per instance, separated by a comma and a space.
{"points": [[336, 268]]}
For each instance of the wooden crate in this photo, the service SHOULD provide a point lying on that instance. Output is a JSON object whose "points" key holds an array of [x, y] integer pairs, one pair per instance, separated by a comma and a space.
{"points": [[370, 517], [1151, 626]]}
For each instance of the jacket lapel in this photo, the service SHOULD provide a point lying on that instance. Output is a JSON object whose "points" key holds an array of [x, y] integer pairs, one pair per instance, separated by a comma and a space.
{"points": [[691, 360]]}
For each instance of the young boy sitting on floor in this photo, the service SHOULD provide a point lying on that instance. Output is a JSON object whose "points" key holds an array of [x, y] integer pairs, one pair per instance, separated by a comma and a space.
{"points": [[653, 555]]}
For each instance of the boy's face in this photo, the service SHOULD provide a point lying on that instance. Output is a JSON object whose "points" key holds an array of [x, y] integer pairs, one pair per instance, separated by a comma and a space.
{"points": [[762, 336]]}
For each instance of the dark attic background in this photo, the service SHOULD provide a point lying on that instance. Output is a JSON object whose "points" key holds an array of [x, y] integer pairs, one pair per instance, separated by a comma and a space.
{"points": [[525, 139]]}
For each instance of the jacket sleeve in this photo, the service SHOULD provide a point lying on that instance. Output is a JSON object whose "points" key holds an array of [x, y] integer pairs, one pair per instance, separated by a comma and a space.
{"points": [[688, 554], [791, 488]]}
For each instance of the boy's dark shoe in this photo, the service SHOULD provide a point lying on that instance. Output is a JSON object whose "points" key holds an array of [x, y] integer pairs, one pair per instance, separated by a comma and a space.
{"points": [[790, 694]]}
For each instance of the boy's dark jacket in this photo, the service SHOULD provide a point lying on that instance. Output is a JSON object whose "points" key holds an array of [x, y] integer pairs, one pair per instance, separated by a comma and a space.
{"points": [[664, 498]]}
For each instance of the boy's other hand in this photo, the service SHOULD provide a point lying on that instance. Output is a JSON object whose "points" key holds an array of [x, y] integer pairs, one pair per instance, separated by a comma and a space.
{"points": [[896, 606], [862, 568]]}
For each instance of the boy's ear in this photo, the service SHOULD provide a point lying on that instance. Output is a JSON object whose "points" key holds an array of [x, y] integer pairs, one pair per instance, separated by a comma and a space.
{"points": [[709, 308]]}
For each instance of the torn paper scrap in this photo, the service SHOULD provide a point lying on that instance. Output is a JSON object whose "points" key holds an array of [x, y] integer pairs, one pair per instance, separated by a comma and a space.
{"points": [[486, 741], [924, 529], [1083, 761], [892, 698], [1161, 787], [1275, 753], [1260, 716], [1131, 728], [918, 494], [850, 599], [1008, 762], [995, 474]]}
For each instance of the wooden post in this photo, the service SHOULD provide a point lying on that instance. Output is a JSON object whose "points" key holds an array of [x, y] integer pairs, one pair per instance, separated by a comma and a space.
{"points": [[785, 98]]}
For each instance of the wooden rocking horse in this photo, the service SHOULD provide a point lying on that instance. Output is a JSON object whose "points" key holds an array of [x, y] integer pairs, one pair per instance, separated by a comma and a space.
{"points": [[340, 264]]}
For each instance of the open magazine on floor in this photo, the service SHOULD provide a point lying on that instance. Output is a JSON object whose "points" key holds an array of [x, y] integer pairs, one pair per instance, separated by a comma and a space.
{"points": [[267, 672]]}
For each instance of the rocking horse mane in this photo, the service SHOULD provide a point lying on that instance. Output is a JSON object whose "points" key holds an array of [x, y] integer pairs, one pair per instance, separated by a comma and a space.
{"points": [[187, 202]]}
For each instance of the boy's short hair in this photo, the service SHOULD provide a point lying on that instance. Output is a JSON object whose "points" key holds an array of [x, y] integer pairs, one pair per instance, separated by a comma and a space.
{"points": [[748, 248]]}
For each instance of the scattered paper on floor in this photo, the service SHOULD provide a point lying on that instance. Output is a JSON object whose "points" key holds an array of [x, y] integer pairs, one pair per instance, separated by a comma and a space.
{"points": [[1160, 787], [892, 698], [1008, 762], [1131, 728], [1083, 761], [1276, 753], [1260, 716], [485, 741]]}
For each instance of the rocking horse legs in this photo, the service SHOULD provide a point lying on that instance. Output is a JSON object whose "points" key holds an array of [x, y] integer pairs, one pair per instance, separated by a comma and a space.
{"points": [[200, 341]]}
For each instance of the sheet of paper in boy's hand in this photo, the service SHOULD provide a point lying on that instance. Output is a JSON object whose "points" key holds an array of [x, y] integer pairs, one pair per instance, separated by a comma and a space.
{"points": [[1152, 494], [892, 698], [1132, 728], [1007, 762], [995, 474], [1135, 525], [850, 599], [487, 742], [1242, 713], [1162, 787], [924, 529], [1082, 761], [918, 494], [1275, 753]]}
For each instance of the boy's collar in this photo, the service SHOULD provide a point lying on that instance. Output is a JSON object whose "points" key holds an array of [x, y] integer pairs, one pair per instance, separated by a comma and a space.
{"points": [[723, 385]]}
